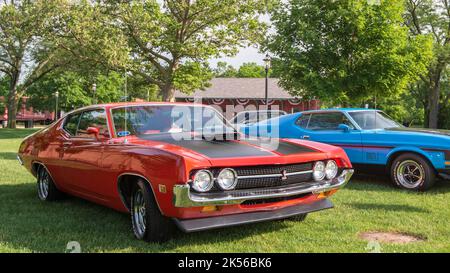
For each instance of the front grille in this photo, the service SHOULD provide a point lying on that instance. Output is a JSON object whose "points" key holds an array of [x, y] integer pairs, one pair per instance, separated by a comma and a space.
{"points": [[272, 169], [267, 182], [250, 183]]}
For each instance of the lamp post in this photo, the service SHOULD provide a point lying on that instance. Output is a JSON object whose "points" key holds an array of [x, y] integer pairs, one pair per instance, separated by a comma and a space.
{"points": [[94, 90], [56, 104], [267, 62]]}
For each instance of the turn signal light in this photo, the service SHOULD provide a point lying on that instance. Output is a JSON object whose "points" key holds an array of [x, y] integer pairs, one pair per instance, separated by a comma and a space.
{"points": [[326, 194], [210, 208]]}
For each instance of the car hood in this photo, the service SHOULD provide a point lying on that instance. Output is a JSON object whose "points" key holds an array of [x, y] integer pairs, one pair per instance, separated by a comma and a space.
{"points": [[242, 152], [421, 130]]}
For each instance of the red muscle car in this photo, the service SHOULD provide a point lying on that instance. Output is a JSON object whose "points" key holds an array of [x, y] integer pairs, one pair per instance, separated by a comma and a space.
{"points": [[173, 164]]}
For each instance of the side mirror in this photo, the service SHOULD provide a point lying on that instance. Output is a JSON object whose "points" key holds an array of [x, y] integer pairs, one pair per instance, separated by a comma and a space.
{"points": [[344, 128], [92, 131]]}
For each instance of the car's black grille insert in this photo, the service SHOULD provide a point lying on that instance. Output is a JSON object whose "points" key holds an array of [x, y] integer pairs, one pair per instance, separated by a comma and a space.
{"points": [[267, 182]]}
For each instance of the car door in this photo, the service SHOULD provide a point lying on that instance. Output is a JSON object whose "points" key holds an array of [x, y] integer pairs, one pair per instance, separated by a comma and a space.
{"points": [[82, 155], [324, 127]]}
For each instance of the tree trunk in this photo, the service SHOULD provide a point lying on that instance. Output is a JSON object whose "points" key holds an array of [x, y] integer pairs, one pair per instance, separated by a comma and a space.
{"points": [[12, 108], [168, 92], [433, 102]]}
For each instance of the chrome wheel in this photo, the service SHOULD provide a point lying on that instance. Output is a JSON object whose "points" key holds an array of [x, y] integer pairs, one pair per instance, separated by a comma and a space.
{"points": [[43, 184], [410, 174], [139, 212]]}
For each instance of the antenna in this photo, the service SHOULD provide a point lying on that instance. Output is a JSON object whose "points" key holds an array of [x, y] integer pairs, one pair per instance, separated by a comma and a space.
{"points": [[125, 141]]}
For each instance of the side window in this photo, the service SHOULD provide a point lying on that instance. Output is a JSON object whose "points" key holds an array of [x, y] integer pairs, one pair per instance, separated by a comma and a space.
{"points": [[71, 124], [328, 121], [94, 118], [303, 120]]}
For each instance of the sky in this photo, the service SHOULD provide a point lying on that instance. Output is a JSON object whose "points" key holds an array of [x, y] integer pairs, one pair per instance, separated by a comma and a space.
{"points": [[245, 55]]}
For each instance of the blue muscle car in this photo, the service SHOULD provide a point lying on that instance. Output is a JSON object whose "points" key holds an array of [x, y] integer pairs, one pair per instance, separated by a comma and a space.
{"points": [[373, 141]]}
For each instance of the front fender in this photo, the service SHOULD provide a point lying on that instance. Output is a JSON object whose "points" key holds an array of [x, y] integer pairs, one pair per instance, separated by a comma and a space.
{"points": [[437, 158]]}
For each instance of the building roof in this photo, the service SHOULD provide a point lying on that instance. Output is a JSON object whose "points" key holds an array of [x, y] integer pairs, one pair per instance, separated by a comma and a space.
{"points": [[241, 88]]}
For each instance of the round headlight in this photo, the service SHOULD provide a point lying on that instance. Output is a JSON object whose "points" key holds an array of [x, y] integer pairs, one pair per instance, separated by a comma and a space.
{"points": [[331, 169], [227, 179], [203, 181], [319, 171]]}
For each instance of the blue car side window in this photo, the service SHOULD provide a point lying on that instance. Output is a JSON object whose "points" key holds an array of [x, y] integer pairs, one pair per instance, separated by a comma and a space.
{"points": [[328, 121], [303, 121]]}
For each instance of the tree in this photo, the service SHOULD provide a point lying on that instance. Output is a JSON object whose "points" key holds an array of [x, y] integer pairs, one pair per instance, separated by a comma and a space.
{"points": [[444, 105], [345, 51], [251, 70], [75, 90], [225, 70], [26, 50], [4, 84], [170, 41], [432, 17]]}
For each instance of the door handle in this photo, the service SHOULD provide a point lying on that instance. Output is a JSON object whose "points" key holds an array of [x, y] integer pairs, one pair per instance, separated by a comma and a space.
{"points": [[306, 137]]}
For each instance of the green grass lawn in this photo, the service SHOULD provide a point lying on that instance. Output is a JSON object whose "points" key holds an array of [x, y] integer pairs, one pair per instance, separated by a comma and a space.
{"points": [[29, 225]]}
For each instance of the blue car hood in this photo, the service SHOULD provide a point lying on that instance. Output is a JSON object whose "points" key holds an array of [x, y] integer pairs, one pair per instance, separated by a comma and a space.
{"points": [[421, 130]]}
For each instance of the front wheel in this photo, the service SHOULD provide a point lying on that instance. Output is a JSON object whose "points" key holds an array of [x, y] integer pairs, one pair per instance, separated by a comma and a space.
{"points": [[147, 221], [47, 190], [412, 172]]}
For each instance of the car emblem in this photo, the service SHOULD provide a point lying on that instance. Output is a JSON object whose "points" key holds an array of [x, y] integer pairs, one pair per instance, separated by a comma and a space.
{"points": [[283, 175]]}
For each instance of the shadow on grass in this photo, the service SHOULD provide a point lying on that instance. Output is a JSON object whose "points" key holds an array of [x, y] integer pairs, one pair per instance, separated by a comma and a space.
{"points": [[28, 224], [383, 184], [386, 207], [8, 156], [15, 133]]}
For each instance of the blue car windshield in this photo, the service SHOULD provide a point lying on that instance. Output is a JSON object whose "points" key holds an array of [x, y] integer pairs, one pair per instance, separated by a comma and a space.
{"points": [[369, 120]]}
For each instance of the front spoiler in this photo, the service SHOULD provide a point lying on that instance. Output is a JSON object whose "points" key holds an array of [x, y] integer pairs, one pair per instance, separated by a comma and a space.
{"points": [[183, 197], [192, 225]]}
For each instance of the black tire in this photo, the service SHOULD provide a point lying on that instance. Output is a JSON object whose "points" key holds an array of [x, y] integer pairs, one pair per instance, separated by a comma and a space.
{"points": [[412, 172], [148, 225], [47, 190], [299, 218]]}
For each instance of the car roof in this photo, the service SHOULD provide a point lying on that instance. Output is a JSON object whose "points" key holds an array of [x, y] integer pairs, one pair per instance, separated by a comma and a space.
{"points": [[340, 110], [123, 104], [261, 111]]}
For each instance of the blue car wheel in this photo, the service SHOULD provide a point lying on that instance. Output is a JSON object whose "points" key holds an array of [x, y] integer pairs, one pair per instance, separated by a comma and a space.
{"points": [[412, 172]]}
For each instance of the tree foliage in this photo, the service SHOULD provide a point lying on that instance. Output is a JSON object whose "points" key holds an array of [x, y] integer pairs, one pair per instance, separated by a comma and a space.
{"points": [[167, 42], [345, 51], [27, 49], [432, 17], [225, 70], [251, 70], [75, 90]]}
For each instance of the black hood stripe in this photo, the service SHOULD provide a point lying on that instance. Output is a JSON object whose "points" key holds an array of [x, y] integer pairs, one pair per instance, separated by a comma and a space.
{"points": [[285, 148], [227, 149]]}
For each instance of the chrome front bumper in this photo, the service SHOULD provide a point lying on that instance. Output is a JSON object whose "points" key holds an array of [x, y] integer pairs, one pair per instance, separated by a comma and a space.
{"points": [[183, 197]]}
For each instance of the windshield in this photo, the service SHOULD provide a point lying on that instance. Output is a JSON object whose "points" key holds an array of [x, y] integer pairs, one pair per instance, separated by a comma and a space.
{"points": [[159, 119], [256, 116], [369, 120]]}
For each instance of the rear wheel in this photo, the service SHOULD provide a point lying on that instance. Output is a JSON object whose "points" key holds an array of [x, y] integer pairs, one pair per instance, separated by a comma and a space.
{"points": [[47, 190], [147, 221], [412, 172]]}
